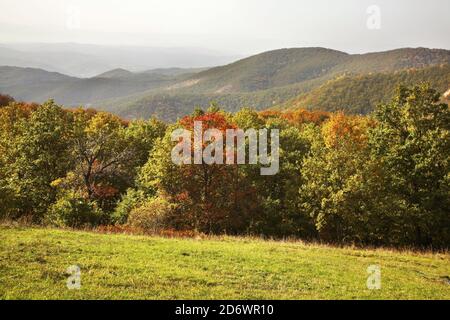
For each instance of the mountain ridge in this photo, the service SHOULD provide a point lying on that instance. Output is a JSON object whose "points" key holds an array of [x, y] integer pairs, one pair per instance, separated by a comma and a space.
{"points": [[262, 81], [208, 85]]}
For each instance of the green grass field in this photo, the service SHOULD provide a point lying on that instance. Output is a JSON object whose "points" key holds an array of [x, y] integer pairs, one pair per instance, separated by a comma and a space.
{"points": [[33, 264]]}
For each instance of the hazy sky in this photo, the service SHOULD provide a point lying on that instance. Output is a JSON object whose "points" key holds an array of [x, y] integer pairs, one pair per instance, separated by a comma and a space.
{"points": [[231, 26]]}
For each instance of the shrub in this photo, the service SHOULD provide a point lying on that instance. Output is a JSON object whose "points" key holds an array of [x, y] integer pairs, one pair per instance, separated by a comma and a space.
{"points": [[71, 210], [131, 200], [153, 216]]}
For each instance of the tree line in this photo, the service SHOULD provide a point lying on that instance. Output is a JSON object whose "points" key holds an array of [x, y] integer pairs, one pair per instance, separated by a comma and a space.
{"points": [[380, 179]]}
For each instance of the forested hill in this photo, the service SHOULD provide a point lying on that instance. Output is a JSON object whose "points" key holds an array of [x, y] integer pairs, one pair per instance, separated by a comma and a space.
{"points": [[283, 67], [272, 79], [267, 80], [360, 94], [352, 93]]}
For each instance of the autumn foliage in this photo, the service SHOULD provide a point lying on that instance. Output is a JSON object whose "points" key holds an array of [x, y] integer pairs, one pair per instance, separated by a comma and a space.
{"points": [[380, 179]]}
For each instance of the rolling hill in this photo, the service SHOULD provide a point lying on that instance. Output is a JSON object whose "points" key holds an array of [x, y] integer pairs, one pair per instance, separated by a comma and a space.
{"points": [[274, 78], [38, 85], [268, 70], [290, 66], [285, 78], [362, 93]]}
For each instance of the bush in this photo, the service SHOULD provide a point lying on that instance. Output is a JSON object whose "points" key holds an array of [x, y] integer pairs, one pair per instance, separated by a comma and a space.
{"points": [[153, 216], [131, 200], [74, 211]]}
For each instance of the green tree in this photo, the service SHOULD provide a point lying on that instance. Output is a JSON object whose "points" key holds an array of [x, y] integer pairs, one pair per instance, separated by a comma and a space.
{"points": [[342, 186], [141, 136], [38, 154], [412, 140]]}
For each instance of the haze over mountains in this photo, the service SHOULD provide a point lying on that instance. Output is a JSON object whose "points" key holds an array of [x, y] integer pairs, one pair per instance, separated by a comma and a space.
{"points": [[88, 60], [30, 84], [314, 78]]}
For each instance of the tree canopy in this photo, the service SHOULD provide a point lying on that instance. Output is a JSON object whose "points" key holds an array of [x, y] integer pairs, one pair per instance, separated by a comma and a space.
{"points": [[378, 179]]}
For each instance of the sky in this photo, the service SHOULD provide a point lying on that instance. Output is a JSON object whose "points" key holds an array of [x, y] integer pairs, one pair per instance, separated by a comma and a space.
{"points": [[231, 26]]}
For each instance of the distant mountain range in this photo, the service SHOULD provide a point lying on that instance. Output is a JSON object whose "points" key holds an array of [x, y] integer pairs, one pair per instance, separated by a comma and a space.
{"points": [[87, 60], [314, 78], [37, 85]]}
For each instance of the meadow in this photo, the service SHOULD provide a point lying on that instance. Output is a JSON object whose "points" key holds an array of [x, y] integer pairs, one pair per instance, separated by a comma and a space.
{"points": [[34, 262]]}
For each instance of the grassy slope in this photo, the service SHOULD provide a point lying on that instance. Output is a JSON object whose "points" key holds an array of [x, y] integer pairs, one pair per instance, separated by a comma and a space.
{"points": [[33, 264]]}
